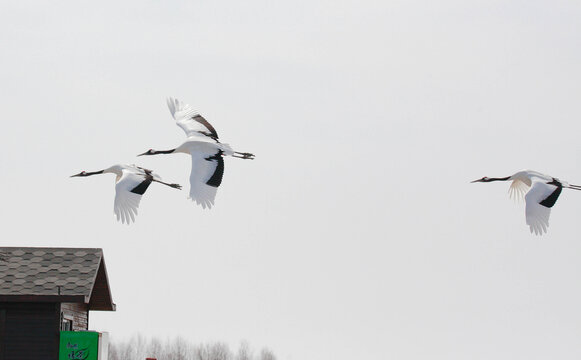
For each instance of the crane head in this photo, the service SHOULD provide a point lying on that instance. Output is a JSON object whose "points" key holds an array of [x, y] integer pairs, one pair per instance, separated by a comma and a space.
{"points": [[484, 179], [155, 152], [148, 152], [487, 179], [84, 173]]}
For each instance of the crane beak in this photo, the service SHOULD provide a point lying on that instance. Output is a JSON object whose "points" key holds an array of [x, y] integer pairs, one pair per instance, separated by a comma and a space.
{"points": [[478, 180], [145, 153], [84, 173]]}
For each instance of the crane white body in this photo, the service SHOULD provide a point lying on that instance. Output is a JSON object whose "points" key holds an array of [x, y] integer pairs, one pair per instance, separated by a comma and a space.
{"points": [[205, 149], [540, 193]]}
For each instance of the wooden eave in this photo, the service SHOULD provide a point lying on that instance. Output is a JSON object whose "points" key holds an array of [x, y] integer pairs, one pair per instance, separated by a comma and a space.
{"points": [[100, 298]]}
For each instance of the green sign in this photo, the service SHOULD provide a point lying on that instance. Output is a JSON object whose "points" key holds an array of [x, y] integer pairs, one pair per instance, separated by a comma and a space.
{"points": [[79, 345]]}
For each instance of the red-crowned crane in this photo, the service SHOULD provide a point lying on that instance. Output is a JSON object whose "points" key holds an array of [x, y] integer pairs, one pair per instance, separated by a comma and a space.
{"points": [[540, 192], [206, 150], [130, 184]]}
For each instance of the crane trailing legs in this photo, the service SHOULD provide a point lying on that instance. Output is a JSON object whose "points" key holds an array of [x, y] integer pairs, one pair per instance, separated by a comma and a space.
{"points": [[540, 193], [240, 155]]}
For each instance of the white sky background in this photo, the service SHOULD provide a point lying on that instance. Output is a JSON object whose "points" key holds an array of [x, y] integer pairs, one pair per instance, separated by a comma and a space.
{"points": [[355, 233]]}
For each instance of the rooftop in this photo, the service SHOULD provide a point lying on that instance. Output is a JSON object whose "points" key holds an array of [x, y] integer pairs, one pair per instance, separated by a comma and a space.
{"points": [[36, 274]]}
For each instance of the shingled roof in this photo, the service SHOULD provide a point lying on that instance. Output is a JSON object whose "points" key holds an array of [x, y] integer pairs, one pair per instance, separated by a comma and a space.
{"points": [[30, 274]]}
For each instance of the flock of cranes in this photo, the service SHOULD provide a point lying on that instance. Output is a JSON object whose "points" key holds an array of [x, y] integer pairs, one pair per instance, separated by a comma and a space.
{"points": [[201, 144], [539, 191]]}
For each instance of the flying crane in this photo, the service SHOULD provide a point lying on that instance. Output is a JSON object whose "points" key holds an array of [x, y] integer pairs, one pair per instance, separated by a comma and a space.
{"points": [[205, 149], [130, 184], [540, 192]]}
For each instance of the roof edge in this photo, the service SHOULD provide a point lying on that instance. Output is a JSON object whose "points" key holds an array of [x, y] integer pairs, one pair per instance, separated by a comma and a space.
{"points": [[43, 298], [110, 305]]}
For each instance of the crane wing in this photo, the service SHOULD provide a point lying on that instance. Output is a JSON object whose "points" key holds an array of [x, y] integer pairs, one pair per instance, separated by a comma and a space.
{"points": [[190, 120], [518, 189], [128, 191], [537, 215], [206, 176]]}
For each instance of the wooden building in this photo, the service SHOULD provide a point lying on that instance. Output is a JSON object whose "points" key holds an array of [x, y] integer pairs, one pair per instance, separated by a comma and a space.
{"points": [[44, 291]]}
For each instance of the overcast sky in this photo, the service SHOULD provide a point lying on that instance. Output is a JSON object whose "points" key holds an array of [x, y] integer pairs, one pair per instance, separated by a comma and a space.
{"points": [[355, 234]]}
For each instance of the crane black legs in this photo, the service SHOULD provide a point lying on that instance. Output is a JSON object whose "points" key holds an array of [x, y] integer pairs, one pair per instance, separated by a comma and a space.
{"points": [[175, 186], [242, 155]]}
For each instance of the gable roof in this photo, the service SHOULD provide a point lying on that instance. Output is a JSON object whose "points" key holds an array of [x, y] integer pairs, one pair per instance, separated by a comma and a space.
{"points": [[33, 274]]}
